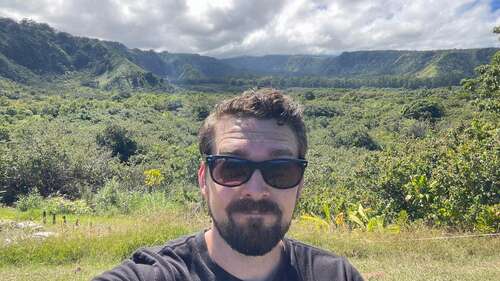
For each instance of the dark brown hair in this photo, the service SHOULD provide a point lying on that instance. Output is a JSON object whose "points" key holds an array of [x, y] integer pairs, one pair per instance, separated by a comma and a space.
{"points": [[261, 104]]}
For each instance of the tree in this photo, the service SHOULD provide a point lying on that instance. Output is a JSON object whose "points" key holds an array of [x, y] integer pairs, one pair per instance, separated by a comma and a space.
{"points": [[486, 86]]}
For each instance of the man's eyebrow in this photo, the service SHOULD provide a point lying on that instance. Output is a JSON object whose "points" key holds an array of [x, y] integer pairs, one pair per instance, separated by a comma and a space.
{"points": [[281, 152], [242, 153], [236, 152]]}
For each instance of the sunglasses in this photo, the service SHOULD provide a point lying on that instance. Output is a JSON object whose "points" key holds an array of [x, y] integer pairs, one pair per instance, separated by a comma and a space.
{"points": [[233, 171]]}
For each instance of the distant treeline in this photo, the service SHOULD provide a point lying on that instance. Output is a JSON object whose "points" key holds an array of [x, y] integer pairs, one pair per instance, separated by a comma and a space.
{"points": [[388, 81]]}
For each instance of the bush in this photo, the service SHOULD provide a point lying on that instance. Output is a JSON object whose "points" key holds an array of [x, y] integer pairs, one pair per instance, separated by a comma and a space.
{"points": [[321, 110], [174, 105], [200, 111], [52, 205], [488, 219], [43, 165], [53, 159], [31, 201], [448, 181], [108, 197], [423, 110], [4, 134], [122, 95], [355, 137], [119, 140], [309, 95], [417, 129], [60, 205]]}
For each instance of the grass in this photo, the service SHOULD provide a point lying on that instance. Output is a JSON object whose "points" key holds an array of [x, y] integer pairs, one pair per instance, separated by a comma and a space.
{"points": [[101, 242]]}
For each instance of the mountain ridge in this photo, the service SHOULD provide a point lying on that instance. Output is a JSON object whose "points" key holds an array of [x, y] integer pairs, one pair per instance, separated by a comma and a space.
{"points": [[30, 52]]}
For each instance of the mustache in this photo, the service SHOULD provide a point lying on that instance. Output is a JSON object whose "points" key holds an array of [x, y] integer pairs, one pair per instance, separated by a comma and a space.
{"points": [[247, 205]]}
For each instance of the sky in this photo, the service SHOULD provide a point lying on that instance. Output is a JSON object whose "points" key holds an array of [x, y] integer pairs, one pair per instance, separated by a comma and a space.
{"points": [[228, 28]]}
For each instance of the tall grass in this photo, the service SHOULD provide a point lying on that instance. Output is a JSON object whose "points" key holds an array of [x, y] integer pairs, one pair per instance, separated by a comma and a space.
{"points": [[101, 242], [98, 239]]}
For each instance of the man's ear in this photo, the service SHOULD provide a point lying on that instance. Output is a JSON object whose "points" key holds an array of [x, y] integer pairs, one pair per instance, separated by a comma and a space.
{"points": [[202, 180]]}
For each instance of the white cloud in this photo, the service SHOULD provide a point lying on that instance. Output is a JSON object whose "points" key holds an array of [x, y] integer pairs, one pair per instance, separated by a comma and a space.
{"points": [[240, 27]]}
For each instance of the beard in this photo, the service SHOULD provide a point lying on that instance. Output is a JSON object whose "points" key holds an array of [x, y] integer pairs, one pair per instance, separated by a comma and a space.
{"points": [[253, 237]]}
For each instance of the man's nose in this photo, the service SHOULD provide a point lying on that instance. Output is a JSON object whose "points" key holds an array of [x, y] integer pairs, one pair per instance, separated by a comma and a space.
{"points": [[256, 187]]}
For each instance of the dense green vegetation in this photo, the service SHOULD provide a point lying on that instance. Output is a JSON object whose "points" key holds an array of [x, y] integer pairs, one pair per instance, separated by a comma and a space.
{"points": [[84, 124], [428, 155]]}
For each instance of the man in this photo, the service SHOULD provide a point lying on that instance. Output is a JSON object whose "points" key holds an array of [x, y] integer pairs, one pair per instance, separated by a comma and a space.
{"points": [[254, 148]]}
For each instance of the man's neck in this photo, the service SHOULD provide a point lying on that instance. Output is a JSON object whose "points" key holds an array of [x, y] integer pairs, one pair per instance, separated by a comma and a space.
{"points": [[255, 268]]}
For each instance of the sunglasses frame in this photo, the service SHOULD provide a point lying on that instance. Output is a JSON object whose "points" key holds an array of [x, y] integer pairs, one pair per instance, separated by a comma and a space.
{"points": [[254, 165]]}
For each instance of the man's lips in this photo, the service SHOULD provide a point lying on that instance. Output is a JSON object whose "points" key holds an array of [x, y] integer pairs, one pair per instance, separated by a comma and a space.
{"points": [[254, 213]]}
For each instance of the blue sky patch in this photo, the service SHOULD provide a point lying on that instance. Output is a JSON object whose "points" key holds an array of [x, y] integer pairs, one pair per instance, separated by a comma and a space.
{"points": [[494, 5]]}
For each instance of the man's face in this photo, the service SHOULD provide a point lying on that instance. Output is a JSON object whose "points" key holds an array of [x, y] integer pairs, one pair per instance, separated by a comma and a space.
{"points": [[253, 217]]}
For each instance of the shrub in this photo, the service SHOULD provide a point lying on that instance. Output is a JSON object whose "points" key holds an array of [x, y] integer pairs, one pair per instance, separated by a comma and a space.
{"points": [[31, 201], [40, 164], [445, 181], [174, 105], [200, 111], [321, 110], [153, 178], [53, 205], [423, 110], [355, 137], [108, 197], [488, 219], [119, 140], [309, 95], [417, 129], [122, 95], [4, 134], [60, 205]]}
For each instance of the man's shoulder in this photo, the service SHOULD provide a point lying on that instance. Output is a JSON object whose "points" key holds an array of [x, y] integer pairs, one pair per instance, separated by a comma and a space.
{"points": [[174, 244], [166, 262], [173, 248], [318, 264], [301, 248]]}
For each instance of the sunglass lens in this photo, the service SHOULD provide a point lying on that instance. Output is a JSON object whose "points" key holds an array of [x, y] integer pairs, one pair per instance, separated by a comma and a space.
{"points": [[230, 171], [283, 173]]}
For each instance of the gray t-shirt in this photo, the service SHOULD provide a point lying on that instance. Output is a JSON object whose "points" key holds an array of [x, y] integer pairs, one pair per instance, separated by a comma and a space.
{"points": [[187, 259]]}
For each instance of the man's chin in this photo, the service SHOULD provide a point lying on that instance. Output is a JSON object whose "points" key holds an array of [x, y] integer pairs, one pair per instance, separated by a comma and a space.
{"points": [[252, 237]]}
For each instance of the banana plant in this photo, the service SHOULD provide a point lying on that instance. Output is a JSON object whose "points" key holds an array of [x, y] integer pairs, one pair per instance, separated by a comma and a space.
{"points": [[361, 218]]}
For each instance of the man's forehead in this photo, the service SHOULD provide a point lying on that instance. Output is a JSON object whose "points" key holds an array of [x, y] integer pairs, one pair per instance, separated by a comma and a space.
{"points": [[233, 132]]}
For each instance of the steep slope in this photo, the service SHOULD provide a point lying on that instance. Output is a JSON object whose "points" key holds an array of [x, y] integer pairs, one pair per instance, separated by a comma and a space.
{"points": [[182, 67], [425, 64], [279, 64], [30, 51], [419, 63]]}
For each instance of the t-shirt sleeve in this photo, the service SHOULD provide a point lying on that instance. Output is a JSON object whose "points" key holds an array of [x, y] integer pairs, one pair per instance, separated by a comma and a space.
{"points": [[145, 265], [351, 272], [334, 268], [128, 271], [319, 265]]}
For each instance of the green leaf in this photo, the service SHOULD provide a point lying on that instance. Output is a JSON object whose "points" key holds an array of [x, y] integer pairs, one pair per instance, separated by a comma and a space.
{"points": [[326, 212], [355, 219], [316, 220], [361, 212], [393, 228]]}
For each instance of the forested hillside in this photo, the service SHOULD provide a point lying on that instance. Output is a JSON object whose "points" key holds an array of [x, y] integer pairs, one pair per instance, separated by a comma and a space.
{"points": [[36, 54]]}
